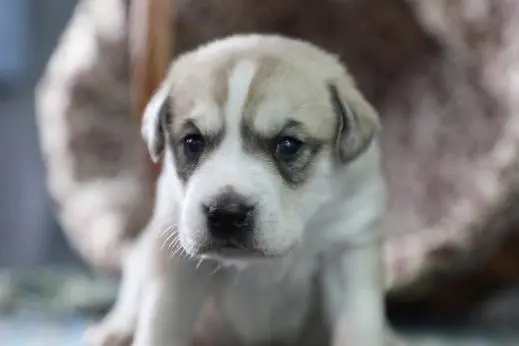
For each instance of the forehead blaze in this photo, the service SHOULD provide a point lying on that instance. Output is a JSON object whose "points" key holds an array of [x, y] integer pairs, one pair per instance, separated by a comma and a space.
{"points": [[277, 91], [251, 102]]}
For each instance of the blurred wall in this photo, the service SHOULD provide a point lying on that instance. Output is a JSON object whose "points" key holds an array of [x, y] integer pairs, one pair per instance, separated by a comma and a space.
{"points": [[29, 235], [13, 59]]}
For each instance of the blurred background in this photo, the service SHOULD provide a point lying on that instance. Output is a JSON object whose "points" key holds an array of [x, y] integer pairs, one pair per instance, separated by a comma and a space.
{"points": [[37, 266], [29, 234], [39, 307]]}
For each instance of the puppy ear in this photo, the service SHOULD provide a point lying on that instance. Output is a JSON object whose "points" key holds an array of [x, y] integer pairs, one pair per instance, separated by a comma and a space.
{"points": [[154, 121], [358, 121]]}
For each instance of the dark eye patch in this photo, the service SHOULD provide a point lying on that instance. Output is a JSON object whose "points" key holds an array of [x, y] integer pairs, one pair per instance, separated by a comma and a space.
{"points": [[292, 166], [191, 147]]}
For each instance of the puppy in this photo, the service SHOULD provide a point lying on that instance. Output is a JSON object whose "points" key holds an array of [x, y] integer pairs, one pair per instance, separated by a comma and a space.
{"points": [[269, 203]]}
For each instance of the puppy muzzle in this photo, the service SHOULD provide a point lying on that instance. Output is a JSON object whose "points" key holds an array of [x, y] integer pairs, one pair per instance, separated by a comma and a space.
{"points": [[230, 221]]}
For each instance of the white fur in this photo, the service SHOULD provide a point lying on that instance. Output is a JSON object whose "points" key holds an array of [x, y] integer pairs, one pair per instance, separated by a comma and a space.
{"points": [[326, 229], [239, 83]]}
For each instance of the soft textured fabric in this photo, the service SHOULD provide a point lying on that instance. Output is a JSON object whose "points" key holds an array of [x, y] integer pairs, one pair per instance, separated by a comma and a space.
{"points": [[443, 75]]}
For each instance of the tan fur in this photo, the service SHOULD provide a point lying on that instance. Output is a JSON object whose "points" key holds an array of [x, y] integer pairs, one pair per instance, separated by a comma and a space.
{"points": [[198, 78]]}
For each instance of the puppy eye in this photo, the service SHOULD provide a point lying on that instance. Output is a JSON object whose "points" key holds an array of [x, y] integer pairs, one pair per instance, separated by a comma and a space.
{"points": [[193, 145], [287, 148]]}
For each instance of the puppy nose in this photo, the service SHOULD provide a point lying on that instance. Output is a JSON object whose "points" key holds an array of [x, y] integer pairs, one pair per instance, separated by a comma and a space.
{"points": [[229, 216]]}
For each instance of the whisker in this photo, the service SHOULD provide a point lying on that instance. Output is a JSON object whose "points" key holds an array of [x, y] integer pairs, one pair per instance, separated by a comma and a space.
{"points": [[200, 260], [219, 266]]}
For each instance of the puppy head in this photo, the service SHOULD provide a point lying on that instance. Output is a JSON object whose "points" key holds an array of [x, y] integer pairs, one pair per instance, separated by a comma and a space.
{"points": [[255, 129]]}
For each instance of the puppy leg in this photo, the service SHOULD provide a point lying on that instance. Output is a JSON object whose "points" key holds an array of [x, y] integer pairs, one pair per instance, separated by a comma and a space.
{"points": [[353, 296], [173, 302], [117, 328]]}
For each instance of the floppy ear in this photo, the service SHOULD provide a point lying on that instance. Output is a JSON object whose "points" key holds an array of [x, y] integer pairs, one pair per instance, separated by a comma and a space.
{"points": [[154, 122], [358, 121]]}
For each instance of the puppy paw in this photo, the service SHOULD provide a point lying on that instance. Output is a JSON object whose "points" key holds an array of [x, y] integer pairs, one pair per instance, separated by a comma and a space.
{"points": [[108, 333]]}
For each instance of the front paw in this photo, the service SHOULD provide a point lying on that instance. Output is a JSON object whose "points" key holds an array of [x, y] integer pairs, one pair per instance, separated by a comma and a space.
{"points": [[109, 332]]}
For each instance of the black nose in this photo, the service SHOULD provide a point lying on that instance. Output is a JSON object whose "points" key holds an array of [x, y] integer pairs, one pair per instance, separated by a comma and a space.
{"points": [[229, 216]]}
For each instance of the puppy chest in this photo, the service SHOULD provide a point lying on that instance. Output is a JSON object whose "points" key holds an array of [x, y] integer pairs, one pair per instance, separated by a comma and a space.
{"points": [[259, 308]]}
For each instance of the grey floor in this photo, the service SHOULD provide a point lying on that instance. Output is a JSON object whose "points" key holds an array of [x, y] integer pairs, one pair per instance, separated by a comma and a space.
{"points": [[55, 306], [37, 330]]}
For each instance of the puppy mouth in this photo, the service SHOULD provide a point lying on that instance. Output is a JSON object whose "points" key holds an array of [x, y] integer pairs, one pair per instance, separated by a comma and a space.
{"points": [[231, 249]]}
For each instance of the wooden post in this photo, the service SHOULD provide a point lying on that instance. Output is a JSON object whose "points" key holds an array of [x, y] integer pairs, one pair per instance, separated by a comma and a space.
{"points": [[151, 48]]}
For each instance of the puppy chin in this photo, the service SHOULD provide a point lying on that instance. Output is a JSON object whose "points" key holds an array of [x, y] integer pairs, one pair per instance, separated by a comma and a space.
{"points": [[222, 252], [245, 255], [227, 260]]}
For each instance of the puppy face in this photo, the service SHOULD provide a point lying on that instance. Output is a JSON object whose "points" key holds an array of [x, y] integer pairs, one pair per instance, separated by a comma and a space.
{"points": [[256, 128]]}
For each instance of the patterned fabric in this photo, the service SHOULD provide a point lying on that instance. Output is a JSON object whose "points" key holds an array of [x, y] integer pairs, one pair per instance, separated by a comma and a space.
{"points": [[94, 157], [443, 75]]}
